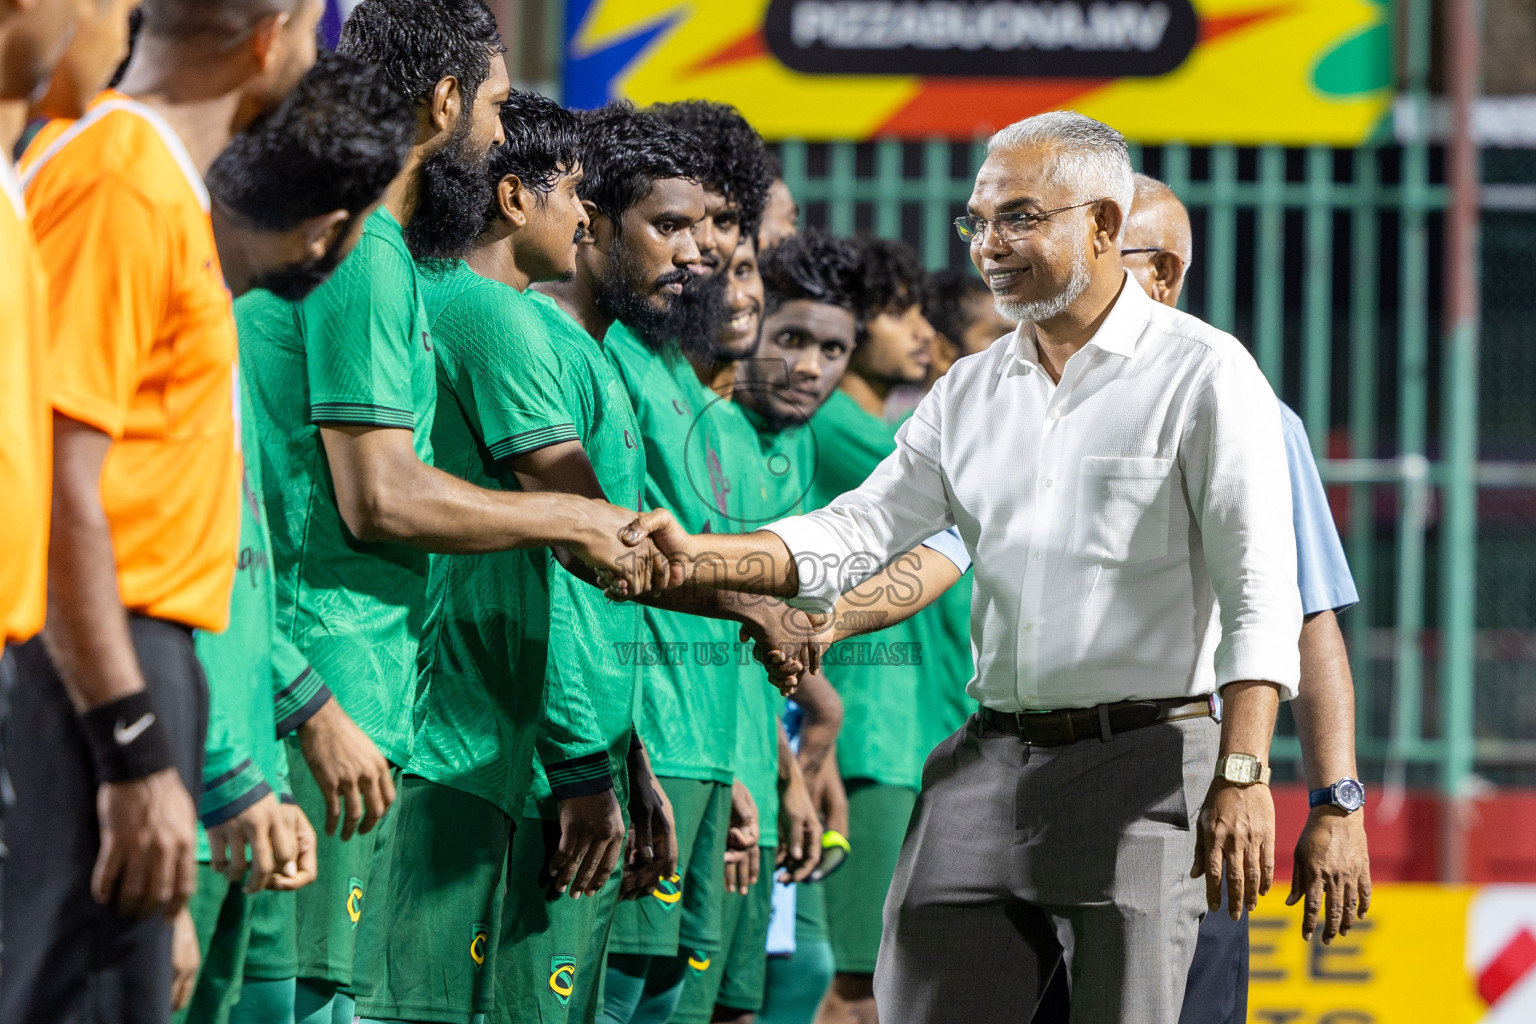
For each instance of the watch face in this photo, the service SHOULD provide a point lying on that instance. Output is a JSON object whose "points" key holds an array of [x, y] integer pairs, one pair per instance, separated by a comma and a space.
{"points": [[1241, 768], [1349, 795]]}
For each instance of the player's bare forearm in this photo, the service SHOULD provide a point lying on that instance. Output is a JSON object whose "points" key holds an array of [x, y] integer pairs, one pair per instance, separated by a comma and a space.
{"points": [[1325, 703], [87, 632], [823, 719], [385, 493]]}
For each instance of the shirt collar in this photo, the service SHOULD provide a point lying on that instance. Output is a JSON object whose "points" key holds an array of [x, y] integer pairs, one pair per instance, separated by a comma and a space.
{"points": [[1117, 335]]}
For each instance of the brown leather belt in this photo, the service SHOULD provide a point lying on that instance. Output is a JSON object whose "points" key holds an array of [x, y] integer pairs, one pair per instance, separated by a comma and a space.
{"points": [[1071, 725]]}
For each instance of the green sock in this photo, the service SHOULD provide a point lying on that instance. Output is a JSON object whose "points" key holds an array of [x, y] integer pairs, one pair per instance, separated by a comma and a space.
{"points": [[264, 1002], [623, 985], [314, 1001], [663, 990], [796, 983]]}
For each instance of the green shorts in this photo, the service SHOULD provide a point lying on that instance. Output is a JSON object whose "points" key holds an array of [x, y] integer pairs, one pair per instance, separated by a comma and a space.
{"points": [[273, 952], [222, 915], [425, 952], [549, 960], [683, 914], [735, 976], [855, 893], [328, 910]]}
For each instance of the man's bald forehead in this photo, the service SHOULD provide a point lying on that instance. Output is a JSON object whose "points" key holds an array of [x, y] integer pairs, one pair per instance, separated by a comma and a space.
{"points": [[1158, 220]]}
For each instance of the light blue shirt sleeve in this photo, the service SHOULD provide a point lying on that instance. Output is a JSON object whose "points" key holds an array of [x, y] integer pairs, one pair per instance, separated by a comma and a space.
{"points": [[951, 547], [1322, 573]]}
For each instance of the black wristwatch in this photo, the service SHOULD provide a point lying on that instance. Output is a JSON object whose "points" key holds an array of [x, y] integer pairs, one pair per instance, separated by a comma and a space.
{"points": [[1348, 795]]}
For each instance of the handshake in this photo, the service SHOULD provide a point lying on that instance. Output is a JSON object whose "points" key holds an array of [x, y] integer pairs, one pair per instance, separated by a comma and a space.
{"points": [[731, 576]]}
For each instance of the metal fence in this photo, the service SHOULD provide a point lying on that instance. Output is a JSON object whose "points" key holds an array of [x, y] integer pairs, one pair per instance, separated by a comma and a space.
{"points": [[1327, 262]]}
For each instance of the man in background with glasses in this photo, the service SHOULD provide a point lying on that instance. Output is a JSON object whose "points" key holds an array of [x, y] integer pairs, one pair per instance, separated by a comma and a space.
{"points": [[1117, 473]]}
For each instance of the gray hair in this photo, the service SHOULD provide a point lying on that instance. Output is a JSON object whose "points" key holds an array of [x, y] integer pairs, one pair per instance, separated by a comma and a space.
{"points": [[1092, 159]]}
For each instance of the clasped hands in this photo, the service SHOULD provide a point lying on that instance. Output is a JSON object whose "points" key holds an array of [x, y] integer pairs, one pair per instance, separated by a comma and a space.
{"points": [[650, 554]]}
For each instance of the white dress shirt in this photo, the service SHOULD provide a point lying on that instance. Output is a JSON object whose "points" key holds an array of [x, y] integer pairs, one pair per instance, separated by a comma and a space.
{"points": [[1130, 526]]}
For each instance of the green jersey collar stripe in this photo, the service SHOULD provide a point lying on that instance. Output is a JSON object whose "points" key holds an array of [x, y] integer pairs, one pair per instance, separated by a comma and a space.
{"points": [[530, 440], [361, 412]]}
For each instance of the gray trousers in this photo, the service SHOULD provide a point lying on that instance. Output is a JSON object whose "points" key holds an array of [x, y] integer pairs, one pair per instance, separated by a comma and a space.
{"points": [[1020, 856]]}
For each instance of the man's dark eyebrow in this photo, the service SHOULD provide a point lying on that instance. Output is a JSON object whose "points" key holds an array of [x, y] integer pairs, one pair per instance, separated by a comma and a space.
{"points": [[673, 215]]}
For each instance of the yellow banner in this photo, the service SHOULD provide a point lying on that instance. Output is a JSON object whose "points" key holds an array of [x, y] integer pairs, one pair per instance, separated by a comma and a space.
{"points": [[1406, 963], [1241, 71]]}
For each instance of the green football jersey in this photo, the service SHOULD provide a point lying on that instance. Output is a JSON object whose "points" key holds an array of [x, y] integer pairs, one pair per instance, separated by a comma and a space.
{"points": [[878, 675], [259, 685], [356, 352], [771, 472], [515, 635], [687, 715]]}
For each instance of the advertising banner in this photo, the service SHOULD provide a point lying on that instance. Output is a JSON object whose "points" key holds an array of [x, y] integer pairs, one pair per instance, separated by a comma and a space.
{"points": [[1447, 954], [1197, 71]]}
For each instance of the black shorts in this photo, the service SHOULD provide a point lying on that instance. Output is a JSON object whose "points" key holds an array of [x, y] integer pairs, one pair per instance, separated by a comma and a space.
{"points": [[65, 958]]}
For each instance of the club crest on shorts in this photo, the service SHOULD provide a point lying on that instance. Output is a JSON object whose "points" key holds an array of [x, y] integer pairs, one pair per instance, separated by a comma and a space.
{"points": [[354, 899], [699, 961], [562, 977], [669, 892], [479, 936]]}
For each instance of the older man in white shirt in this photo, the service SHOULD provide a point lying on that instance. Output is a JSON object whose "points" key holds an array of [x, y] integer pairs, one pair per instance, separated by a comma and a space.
{"points": [[1117, 472]]}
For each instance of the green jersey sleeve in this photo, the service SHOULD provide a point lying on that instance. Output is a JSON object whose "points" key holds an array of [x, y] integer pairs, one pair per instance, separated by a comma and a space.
{"points": [[504, 371], [231, 779], [570, 743], [358, 339], [297, 689]]}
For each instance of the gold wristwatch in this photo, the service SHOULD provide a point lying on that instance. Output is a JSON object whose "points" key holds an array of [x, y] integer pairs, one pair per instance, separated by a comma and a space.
{"points": [[1242, 770]]}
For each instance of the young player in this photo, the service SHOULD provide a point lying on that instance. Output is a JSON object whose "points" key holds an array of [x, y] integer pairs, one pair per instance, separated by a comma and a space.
{"points": [[641, 207], [110, 717], [289, 199], [344, 386]]}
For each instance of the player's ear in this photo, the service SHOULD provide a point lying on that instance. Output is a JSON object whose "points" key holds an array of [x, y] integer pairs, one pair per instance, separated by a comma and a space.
{"points": [[265, 40], [445, 104], [599, 228], [513, 200], [321, 233]]}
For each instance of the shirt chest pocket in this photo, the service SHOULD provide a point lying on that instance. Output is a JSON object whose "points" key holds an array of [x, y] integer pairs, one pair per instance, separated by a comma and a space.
{"points": [[1123, 508]]}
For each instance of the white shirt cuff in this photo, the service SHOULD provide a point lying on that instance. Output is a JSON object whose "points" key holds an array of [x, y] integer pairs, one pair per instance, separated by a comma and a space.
{"points": [[818, 562], [1262, 656]]}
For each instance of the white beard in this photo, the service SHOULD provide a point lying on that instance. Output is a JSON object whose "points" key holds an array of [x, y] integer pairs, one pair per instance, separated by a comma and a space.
{"points": [[1044, 309]]}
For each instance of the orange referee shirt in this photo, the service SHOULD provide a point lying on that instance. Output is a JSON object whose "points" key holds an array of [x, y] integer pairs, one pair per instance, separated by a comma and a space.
{"points": [[143, 348], [26, 456]]}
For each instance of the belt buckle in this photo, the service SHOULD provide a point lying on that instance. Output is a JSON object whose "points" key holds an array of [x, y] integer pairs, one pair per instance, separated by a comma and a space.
{"points": [[1047, 729]]}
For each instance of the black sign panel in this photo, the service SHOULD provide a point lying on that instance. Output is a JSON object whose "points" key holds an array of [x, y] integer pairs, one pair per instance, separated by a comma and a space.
{"points": [[983, 38]]}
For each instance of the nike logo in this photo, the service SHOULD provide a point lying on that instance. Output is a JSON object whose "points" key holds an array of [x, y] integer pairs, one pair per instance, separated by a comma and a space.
{"points": [[125, 734]]}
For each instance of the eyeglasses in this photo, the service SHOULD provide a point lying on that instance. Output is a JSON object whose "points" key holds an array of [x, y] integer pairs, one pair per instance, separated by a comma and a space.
{"points": [[1009, 227], [1153, 251]]}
